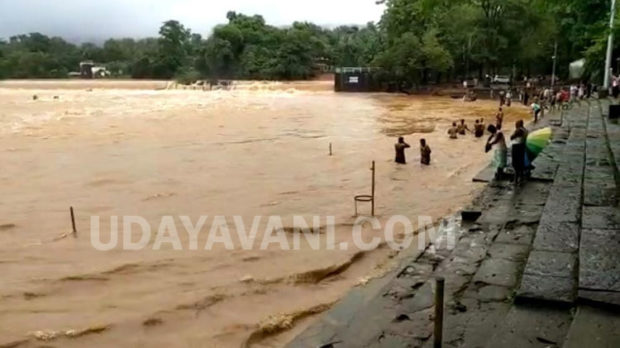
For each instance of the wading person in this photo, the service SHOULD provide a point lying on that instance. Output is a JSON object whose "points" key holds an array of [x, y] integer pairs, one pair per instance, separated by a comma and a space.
{"points": [[462, 128], [478, 129], [518, 151], [453, 131], [425, 153], [400, 147], [501, 150], [499, 118]]}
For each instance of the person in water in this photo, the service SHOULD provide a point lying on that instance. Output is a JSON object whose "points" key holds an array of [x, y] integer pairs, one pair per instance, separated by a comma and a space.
{"points": [[400, 147], [462, 128], [518, 151], [478, 129], [501, 152], [453, 131], [499, 118], [425, 153]]}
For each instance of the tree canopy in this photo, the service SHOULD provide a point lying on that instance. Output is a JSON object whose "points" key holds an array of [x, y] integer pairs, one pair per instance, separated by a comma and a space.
{"points": [[415, 41]]}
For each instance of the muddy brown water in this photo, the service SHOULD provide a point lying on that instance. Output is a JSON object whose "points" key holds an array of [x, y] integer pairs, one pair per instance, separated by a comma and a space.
{"points": [[117, 148]]}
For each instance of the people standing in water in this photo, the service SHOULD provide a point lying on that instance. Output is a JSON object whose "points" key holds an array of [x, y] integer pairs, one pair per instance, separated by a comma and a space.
{"points": [[462, 128], [478, 129], [400, 147], [501, 152], [499, 118], [453, 131], [425, 153], [518, 151]]}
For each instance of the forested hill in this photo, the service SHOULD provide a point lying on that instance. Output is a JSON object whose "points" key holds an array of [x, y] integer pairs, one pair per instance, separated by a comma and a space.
{"points": [[415, 40]]}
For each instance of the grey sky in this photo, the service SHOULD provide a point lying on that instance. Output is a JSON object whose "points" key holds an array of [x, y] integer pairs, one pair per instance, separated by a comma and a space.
{"points": [[96, 19]]}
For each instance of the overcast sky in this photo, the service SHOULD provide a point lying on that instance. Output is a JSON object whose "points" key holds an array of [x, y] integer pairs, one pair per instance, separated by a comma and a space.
{"points": [[99, 19]]}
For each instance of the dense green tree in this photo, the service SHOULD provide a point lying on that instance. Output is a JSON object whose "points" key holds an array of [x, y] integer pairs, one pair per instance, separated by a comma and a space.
{"points": [[416, 42], [174, 49]]}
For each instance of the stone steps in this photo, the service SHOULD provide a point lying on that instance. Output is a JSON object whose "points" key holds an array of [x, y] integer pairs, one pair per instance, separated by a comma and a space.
{"points": [[575, 251], [551, 270], [599, 256], [551, 244]]}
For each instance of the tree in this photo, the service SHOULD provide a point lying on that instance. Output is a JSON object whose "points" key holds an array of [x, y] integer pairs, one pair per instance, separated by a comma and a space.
{"points": [[415, 41], [174, 48], [402, 59]]}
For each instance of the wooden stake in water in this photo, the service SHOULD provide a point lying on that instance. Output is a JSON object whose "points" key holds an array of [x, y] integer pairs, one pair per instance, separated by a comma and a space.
{"points": [[73, 222], [438, 336], [372, 203], [330, 149]]}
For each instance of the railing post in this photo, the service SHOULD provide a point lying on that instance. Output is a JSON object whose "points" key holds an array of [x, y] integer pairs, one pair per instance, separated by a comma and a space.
{"points": [[438, 336], [372, 208]]}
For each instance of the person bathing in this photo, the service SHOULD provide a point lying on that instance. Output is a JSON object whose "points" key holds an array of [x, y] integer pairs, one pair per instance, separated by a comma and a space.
{"points": [[425, 153], [453, 131], [400, 147]]}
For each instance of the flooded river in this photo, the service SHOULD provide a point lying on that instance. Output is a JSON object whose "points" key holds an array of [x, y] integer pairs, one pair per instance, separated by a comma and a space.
{"points": [[262, 149]]}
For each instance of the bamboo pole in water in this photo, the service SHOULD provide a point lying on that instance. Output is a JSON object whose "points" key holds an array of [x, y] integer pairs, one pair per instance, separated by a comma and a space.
{"points": [[73, 222], [372, 203]]}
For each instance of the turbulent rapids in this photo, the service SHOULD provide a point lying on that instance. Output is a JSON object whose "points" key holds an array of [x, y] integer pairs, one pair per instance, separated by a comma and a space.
{"points": [[125, 148]]}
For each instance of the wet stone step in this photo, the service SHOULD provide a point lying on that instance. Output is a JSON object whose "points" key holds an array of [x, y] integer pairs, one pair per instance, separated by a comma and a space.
{"points": [[601, 218], [599, 260], [551, 264], [599, 161], [519, 235], [545, 172], [563, 204], [557, 236], [597, 155], [600, 195], [510, 252], [568, 175], [498, 272], [575, 146], [544, 288], [549, 276]]}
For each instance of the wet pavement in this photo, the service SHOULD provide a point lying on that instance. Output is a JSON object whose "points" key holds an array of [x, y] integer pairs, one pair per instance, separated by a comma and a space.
{"points": [[539, 268]]}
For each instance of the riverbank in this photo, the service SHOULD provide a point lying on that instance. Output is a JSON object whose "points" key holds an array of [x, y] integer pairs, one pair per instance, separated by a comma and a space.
{"points": [[539, 268]]}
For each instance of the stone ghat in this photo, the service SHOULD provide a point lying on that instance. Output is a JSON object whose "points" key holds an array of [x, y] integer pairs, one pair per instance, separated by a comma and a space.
{"points": [[539, 268]]}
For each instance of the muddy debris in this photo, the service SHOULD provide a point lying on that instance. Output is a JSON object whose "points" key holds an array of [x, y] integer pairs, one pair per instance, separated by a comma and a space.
{"points": [[152, 322], [6, 227]]}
